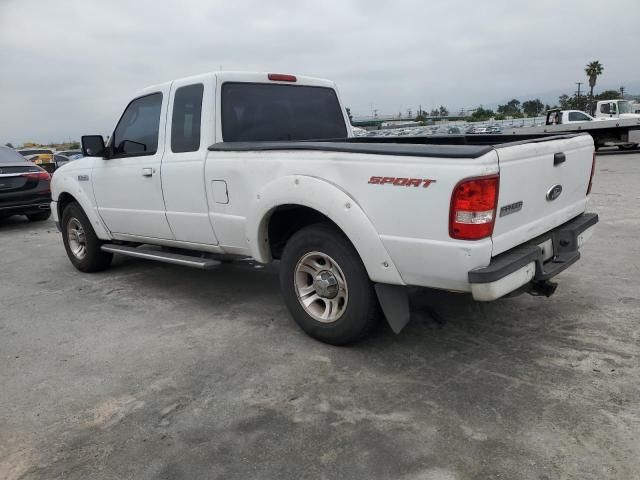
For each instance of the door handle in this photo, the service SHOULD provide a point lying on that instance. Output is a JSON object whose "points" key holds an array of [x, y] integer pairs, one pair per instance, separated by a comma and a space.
{"points": [[559, 158], [147, 172]]}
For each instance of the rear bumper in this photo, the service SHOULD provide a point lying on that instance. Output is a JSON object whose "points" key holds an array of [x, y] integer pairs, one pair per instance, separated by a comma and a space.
{"points": [[528, 262], [24, 207]]}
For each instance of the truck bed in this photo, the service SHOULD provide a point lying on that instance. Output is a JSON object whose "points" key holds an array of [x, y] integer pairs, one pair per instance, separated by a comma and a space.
{"points": [[441, 146], [529, 167]]}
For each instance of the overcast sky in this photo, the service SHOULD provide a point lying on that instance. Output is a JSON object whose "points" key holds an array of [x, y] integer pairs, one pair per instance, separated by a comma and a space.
{"points": [[69, 67]]}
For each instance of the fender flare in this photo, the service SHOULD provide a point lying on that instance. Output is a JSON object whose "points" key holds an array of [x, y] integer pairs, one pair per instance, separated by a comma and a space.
{"points": [[332, 202], [68, 185]]}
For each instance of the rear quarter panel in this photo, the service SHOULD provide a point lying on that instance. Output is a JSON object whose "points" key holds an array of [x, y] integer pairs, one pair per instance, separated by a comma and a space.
{"points": [[411, 222]]}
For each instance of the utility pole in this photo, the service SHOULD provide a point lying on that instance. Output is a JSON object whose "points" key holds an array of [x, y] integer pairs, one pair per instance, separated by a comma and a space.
{"points": [[578, 102]]}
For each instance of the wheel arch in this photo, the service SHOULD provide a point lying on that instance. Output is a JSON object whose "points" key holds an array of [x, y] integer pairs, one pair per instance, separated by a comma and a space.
{"points": [[306, 200], [65, 198]]}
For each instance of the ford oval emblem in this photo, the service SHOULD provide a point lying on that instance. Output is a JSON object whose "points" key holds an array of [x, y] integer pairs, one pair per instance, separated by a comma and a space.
{"points": [[554, 192]]}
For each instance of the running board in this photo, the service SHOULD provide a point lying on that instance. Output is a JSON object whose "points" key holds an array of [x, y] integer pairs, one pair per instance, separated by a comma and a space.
{"points": [[160, 256]]}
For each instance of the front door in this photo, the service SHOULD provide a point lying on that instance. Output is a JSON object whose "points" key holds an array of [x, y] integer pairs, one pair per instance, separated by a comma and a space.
{"points": [[127, 186]]}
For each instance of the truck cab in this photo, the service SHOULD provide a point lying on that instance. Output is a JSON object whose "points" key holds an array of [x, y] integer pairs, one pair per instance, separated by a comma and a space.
{"points": [[607, 109], [564, 117]]}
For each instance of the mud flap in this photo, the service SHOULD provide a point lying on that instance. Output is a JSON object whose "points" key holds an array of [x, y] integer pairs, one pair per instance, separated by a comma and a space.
{"points": [[394, 300]]}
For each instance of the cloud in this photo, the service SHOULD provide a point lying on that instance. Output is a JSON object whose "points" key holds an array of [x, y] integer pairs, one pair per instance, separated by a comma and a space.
{"points": [[69, 67]]}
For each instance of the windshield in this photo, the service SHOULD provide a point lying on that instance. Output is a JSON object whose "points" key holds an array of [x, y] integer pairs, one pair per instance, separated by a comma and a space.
{"points": [[624, 107]]}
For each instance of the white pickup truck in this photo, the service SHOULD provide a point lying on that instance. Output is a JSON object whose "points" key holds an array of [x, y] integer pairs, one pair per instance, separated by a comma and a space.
{"points": [[260, 165], [617, 108], [622, 132]]}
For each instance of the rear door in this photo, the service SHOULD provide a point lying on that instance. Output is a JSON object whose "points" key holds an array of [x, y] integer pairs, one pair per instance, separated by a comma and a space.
{"points": [[543, 184], [190, 130], [127, 187]]}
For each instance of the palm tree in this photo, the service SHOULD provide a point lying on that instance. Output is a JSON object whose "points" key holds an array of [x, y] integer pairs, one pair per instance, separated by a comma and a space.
{"points": [[593, 69]]}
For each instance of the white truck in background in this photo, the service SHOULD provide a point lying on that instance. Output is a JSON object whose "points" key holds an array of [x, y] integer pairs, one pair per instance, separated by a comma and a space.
{"points": [[617, 108], [623, 110], [623, 133], [231, 164]]}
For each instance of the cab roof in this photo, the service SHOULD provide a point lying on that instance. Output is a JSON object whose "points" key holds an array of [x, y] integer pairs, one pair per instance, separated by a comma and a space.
{"points": [[248, 77]]}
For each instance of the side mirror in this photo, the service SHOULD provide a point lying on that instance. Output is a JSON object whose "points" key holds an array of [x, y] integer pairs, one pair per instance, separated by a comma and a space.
{"points": [[93, 146]]}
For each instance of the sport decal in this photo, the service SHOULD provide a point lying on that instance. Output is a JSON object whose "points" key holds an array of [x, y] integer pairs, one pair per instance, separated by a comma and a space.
{"points": [[402, 181]]}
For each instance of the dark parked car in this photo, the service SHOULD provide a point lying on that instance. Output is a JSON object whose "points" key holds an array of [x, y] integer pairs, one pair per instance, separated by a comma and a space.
{"points": [[24, 187]]}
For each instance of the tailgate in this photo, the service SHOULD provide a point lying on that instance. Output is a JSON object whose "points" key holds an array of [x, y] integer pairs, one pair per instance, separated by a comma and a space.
{"points": [[531, 176]]}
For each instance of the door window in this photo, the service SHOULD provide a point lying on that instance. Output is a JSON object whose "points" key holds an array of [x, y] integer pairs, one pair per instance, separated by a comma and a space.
{"points": [[578, 117], [137, 130], [185, 120]]}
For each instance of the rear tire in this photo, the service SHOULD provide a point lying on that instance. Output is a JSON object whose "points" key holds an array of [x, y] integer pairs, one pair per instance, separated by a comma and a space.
{"points": [[39, 217], [80, 241], [326, 286]]}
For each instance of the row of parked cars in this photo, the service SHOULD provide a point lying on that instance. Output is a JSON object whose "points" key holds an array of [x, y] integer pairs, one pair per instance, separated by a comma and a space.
{"points": [[484, 129], [48, 158], [25, 178], [431, 130]]}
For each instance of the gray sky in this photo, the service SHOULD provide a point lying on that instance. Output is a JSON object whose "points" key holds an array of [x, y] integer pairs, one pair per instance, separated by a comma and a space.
{"points": [[69, 66]]}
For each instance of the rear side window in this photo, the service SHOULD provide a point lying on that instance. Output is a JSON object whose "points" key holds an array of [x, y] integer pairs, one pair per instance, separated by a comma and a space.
{"points": [[185, 120], [137, 130], [264, 112]]}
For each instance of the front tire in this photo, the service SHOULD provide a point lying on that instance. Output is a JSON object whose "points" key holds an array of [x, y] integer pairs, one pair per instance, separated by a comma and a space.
{"points": [[80, 241], [326, 287]]}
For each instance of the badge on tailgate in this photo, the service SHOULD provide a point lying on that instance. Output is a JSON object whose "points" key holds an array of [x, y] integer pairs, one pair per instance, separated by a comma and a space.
{"points": [[511, 208], [554, 192]]}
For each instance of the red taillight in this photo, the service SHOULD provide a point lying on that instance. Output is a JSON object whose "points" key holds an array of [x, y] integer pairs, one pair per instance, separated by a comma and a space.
{"points": [[42, 174], [593, 169], [473, 208], [281, 77]]}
